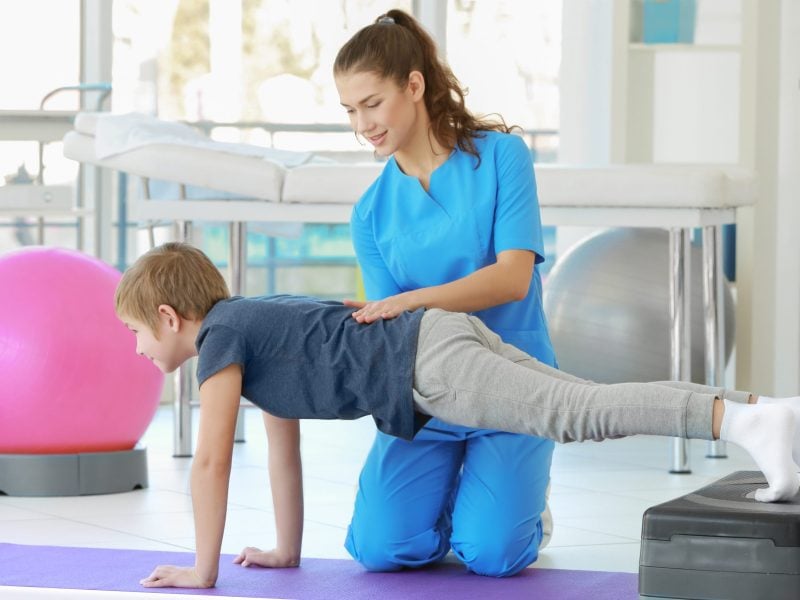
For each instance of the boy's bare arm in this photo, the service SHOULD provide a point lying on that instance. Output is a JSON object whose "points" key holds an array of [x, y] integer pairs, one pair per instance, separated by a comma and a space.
{"points": [[220, 395], [286, 481]]}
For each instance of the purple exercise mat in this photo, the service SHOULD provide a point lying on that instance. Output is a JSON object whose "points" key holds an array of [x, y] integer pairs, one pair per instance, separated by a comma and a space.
{"points": [[317, 579]]}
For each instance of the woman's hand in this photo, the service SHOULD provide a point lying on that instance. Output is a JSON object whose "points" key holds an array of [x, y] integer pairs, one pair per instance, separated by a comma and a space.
{"points": [[272, 559], [171, 576], [388, 308]]}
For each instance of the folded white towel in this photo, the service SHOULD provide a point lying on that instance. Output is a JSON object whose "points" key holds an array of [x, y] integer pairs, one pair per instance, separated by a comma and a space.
{"points": [[116, 134]]}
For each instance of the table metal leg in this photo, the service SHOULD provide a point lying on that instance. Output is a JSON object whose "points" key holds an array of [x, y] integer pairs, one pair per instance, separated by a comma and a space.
{"points": [[151, 226], [182, 412], [680, 349], [238, 274], [40, 231], [714, 318], [182, 403]]}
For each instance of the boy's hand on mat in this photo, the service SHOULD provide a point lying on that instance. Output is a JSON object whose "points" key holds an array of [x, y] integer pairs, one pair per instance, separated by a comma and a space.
{"points": [[273, 559], [388, 308], [180, 577]]}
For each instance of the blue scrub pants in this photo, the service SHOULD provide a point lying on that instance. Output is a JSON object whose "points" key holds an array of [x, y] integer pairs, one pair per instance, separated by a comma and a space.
{"points": [[479, 492]]}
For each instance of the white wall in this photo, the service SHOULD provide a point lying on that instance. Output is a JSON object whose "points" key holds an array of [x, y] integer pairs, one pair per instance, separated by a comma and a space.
{"points": [[696, 108], [585, 93], [585, 80], [786, 334], [768, 253]]}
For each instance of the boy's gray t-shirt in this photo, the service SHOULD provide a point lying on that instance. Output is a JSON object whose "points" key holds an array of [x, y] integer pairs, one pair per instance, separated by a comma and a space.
{"points": [[304, 358]]}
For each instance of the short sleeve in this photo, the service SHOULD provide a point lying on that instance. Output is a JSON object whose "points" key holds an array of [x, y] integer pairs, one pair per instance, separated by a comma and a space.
{"points": [[518, 223], [219, 347], [378, 281]]}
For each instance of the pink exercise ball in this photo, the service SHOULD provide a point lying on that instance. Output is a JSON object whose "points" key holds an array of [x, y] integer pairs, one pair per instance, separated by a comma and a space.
{"points": [[70, 378]]}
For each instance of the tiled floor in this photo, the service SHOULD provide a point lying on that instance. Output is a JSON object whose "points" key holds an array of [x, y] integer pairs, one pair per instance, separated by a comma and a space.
{"points": [[599, 493]]}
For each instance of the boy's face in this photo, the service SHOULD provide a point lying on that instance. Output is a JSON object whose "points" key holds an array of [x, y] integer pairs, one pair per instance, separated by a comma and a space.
{"points": [[163, 350]]}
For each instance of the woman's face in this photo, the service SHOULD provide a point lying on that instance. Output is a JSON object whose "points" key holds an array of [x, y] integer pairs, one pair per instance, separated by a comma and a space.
{"points": [[380, 111]]}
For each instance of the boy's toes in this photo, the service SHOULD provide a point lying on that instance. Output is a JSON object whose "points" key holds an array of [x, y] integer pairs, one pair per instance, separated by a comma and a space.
{"points": [[779, 493]]}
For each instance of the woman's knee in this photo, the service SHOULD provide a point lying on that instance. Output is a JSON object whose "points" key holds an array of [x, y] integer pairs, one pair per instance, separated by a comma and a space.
{"points": [[497, 557], [373, 557], [381, 550]]}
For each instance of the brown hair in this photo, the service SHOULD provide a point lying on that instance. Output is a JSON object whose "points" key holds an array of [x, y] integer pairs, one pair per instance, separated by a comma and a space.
{"points": [[396, 44], [176, 274]]}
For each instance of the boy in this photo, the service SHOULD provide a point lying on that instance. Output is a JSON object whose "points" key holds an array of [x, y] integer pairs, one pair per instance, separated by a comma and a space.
{"points": [[297, 357]]}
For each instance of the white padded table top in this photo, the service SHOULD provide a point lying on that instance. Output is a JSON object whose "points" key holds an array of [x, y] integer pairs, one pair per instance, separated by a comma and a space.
{"points": [[86, 122], [250, 177], [623, 195], [649, 186], [329, 183], [247, 176]]}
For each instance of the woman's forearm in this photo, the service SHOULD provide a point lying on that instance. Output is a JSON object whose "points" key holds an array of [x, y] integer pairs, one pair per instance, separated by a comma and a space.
{"points": [[502, 282]]}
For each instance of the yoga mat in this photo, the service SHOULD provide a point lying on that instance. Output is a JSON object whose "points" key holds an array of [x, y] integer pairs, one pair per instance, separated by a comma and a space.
{"points": [[317, 578]]}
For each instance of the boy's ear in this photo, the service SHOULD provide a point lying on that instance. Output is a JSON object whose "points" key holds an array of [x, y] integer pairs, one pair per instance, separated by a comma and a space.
{"points": [[170, 316]]}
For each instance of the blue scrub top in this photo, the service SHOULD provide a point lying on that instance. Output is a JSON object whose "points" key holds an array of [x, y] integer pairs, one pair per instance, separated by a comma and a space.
{"points": [[406, 238]]}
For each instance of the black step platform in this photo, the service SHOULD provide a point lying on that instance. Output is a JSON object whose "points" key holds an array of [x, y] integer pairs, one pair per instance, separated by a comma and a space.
{"points": [[718, 543]]}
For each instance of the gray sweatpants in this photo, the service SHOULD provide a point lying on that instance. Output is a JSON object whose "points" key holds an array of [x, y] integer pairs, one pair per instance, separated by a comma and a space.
{"points": [[466, 375]]}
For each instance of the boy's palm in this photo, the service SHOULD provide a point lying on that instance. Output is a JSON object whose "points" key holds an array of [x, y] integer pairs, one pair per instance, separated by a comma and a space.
{"points": [[171, 576], [272, 559]]}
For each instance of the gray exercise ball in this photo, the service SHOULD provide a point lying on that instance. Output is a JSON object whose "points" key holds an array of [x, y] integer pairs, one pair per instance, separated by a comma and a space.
{"points": [[607, 306]]}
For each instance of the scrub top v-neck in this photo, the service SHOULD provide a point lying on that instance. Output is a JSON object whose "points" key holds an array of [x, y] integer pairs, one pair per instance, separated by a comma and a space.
{"points": [[407, 238]]}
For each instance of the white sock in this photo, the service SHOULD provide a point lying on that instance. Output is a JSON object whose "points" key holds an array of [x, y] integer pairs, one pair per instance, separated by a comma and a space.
{"points": [[792, 402], [767, 433]]}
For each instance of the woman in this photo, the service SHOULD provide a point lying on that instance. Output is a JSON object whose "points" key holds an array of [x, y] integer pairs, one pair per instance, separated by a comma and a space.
{"points": [[452, 222]]}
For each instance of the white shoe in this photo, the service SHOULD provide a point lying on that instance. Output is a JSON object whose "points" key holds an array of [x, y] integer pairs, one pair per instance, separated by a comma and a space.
{"points": [[547, 521]]}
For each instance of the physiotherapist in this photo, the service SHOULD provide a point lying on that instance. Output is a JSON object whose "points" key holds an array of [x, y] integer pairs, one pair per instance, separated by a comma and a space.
{"points": [[452, 222]]}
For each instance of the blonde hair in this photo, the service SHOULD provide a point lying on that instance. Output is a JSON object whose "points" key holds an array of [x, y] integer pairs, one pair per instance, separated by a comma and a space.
{"points": [[176, 274]]}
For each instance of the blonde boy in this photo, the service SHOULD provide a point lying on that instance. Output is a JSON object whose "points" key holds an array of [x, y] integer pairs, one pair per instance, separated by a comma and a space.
{"points": [[298, 357]]}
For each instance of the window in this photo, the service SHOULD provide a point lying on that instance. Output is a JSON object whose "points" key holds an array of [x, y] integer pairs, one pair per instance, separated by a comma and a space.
{"points": [[40, 49], [508, 53], [40, 46]]}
